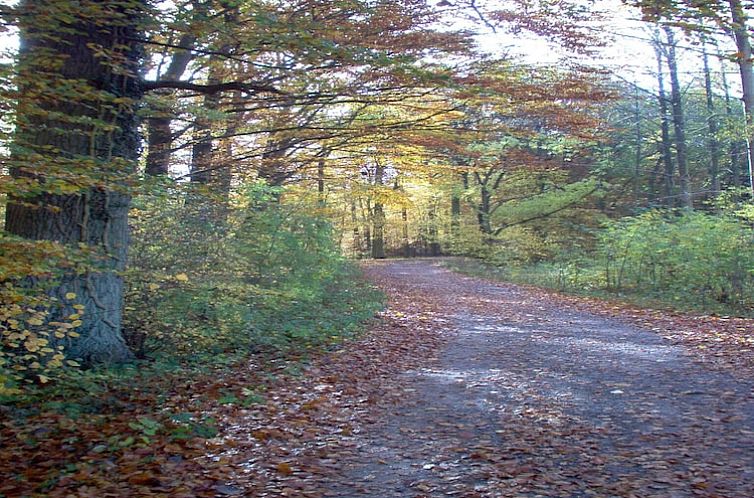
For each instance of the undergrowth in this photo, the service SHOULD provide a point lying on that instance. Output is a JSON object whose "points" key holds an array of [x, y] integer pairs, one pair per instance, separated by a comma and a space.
{"points": [[685, 261], [209, 288]]}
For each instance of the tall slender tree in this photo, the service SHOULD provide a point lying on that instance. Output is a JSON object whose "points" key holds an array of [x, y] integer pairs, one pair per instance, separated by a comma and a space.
{"points": [[679, 124]]}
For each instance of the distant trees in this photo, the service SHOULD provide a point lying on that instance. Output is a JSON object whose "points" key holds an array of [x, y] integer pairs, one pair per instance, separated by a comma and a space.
{"points": [[726, 17]]}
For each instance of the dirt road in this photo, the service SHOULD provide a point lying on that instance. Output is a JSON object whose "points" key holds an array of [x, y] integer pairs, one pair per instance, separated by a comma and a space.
{"points": [[524, 397]]}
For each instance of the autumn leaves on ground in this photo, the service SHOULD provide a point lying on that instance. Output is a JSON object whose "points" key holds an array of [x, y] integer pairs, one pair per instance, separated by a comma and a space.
{"points": [[461, 387]]}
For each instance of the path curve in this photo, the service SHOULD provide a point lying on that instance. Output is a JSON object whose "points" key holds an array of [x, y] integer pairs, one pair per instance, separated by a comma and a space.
{"points": [[530, 398]]}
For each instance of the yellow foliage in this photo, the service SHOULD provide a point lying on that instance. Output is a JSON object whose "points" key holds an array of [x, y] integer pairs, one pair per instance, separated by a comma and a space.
{"points": [[26, 332]]}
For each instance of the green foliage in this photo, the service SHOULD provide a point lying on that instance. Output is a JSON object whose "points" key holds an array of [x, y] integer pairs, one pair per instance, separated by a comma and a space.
{"points": [[688, 260], [254, 275], [688, 257]]}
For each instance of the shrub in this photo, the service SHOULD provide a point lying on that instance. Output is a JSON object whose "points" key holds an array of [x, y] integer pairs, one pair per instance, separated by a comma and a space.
{"points": [[691, 256], [254, 274]]}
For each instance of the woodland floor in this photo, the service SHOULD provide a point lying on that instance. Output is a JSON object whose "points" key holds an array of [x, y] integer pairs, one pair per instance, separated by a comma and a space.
{"points": [[463, 388]]}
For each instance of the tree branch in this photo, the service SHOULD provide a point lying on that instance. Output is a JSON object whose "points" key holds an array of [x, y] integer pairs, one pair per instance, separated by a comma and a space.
{"points": [[211, 89], [549, 213]]}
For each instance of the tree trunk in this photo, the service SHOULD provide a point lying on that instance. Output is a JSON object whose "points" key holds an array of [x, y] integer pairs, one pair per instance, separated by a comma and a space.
{"points": [[434, 244], [378, 217], [321, 182], [638, 153], [88, 132], [744, 56], [735, 145], [455, 215], [273, 169], [357, 245], [679, 125], [667, 155], [714, 147], [159, 134], [202, 160], [406, 241], [483, 211]]}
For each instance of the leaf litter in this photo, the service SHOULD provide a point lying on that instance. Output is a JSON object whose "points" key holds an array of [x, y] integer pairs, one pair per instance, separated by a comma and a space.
{"points": [[463, 388]]}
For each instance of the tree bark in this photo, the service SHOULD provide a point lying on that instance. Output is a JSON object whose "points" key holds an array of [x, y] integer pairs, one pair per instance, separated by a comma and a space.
{"points": [[378, 217], [679, 125], [202, 157], [357, 245], [159, 134], [638, 153], [273, 169], [434, 244], [735, 146], [744, 56], [665, 145], [321, 182], [84, 131], [714, 146], [484, 207], [455, 215]]}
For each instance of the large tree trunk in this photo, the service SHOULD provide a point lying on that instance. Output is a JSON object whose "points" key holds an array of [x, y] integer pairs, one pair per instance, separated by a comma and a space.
{"points": [[637, 150], [206, 162], [434, 244], [321, 200], [679, 125], [88, 131], [484, 208], [159, 134], [202, 156], [455, 215], [357, 246]]}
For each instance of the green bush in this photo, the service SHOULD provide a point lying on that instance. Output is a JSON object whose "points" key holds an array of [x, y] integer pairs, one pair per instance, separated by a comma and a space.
{"points": [[256, 274], [691, 257]]}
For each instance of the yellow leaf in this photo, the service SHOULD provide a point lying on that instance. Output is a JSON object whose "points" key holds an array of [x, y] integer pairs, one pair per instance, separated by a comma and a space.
{"points": [[154, 287], [73, 363], [70, 295], [182, 277], [76, 323], [34, 321], [59, 334], [73, 334], [79, 307], [74, 316], [43, 379]]}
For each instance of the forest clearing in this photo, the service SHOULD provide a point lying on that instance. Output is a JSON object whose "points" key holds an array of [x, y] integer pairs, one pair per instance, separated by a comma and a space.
{"points": [[388, 248]]}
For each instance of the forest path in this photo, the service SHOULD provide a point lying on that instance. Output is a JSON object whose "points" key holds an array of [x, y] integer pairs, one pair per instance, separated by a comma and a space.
{"points": [[523, 396]]}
